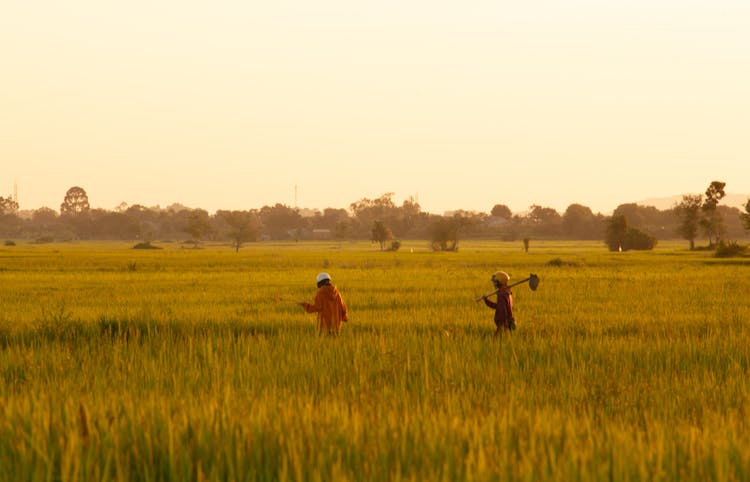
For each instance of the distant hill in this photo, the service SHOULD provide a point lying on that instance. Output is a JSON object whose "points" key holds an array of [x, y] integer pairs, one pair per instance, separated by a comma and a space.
{"points": [[662, 203]]}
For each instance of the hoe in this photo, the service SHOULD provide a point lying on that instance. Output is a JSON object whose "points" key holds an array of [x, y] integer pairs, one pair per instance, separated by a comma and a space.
{"points": [[533, 283]]}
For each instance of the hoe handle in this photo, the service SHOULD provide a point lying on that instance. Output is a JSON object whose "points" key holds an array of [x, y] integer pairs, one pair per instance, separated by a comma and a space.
{"points": [[509, 286]]}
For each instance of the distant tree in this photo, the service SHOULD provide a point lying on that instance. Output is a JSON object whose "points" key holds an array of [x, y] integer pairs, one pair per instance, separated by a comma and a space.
{"points": [[712, 222], [10, 223], [620, 236], [715, 192], [114, 225], [243, 226], [444, 234], [8, 205], [409, 215], [330, 218], [445, 231], [732, 222], [144, 220], [516, 228], [76, 202], [367, 211], [544, 221], [198, 225], [75, 212], [280, 220], [578, 222], [526, 242], [44, 222], [381, 234], [44, 215], [501, 211], [632, 213], [341, 230], [374, 208], [617, 228], [745, 217], [689, 212], [402, 220], [646, 218]]}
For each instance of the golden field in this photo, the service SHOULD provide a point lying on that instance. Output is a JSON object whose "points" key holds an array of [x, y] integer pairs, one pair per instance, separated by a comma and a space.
{"points": [[197, 364]]}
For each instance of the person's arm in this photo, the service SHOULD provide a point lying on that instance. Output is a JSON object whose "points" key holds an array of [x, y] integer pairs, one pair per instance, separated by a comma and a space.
{"points": [[489, 303], [317, 306]]}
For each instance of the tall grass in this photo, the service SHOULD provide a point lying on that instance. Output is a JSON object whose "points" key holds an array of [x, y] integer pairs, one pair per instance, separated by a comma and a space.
{"points": [[198, 365]]}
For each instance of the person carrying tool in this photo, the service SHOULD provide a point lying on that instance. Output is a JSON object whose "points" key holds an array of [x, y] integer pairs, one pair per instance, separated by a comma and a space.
{"points": [[329, 305], [504, 306]]}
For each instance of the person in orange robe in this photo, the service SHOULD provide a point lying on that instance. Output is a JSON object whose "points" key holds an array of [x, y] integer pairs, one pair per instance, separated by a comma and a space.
{"points": [[329, 305]]}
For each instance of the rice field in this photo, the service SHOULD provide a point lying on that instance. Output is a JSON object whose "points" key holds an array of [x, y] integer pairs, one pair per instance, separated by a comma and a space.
{"points": [[190, 365]]}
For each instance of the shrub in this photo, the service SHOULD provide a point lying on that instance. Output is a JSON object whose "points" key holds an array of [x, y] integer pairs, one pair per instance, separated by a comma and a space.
{"points": [[621, 236], [395, 245], [730, 250], [558, 262], [637, 239], [444, 234], [145, 245], [10, 243]]}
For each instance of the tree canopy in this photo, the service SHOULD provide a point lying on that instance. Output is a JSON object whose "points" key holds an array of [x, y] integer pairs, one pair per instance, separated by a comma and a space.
{"points": [[405, 221], [76, 202]]}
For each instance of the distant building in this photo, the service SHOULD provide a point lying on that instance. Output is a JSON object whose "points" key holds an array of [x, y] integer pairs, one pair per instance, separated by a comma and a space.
{"points": [[321, 234]]}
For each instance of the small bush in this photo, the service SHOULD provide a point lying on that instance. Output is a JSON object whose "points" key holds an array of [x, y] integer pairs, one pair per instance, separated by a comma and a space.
{"points": [[632, 239], [395, 245], [145, 245], [621, 237], [730, 250], [637, 239], [8, 242], [44, 240], [559, 263]]}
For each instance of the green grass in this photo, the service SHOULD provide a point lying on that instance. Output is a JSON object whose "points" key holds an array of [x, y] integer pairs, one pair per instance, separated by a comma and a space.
{"points": [[184, 364]]}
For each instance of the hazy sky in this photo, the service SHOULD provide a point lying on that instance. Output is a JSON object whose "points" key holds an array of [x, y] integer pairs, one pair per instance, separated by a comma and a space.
{"points": [[230, 104]]}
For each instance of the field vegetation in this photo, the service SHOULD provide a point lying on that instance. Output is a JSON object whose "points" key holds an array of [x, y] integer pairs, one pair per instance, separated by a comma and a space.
{"points": [[197, 364]]}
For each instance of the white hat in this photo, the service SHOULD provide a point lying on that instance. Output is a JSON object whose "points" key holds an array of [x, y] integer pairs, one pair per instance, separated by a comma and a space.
{"points": [[322, 276]]}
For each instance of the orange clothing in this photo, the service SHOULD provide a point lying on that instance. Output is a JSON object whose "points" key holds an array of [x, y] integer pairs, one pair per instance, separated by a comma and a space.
{"points": [[330, 308]]}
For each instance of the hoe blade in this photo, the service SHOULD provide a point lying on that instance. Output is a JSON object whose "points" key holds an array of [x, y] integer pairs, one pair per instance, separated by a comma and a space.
{"points": [[533, 282]]}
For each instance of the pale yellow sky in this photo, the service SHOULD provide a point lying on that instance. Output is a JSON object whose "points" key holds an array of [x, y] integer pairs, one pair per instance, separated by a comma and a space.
{"points": [[229, 105]]}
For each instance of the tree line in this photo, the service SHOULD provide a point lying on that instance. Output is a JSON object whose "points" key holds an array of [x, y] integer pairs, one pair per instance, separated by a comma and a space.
{"points": [[381, 220]]}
